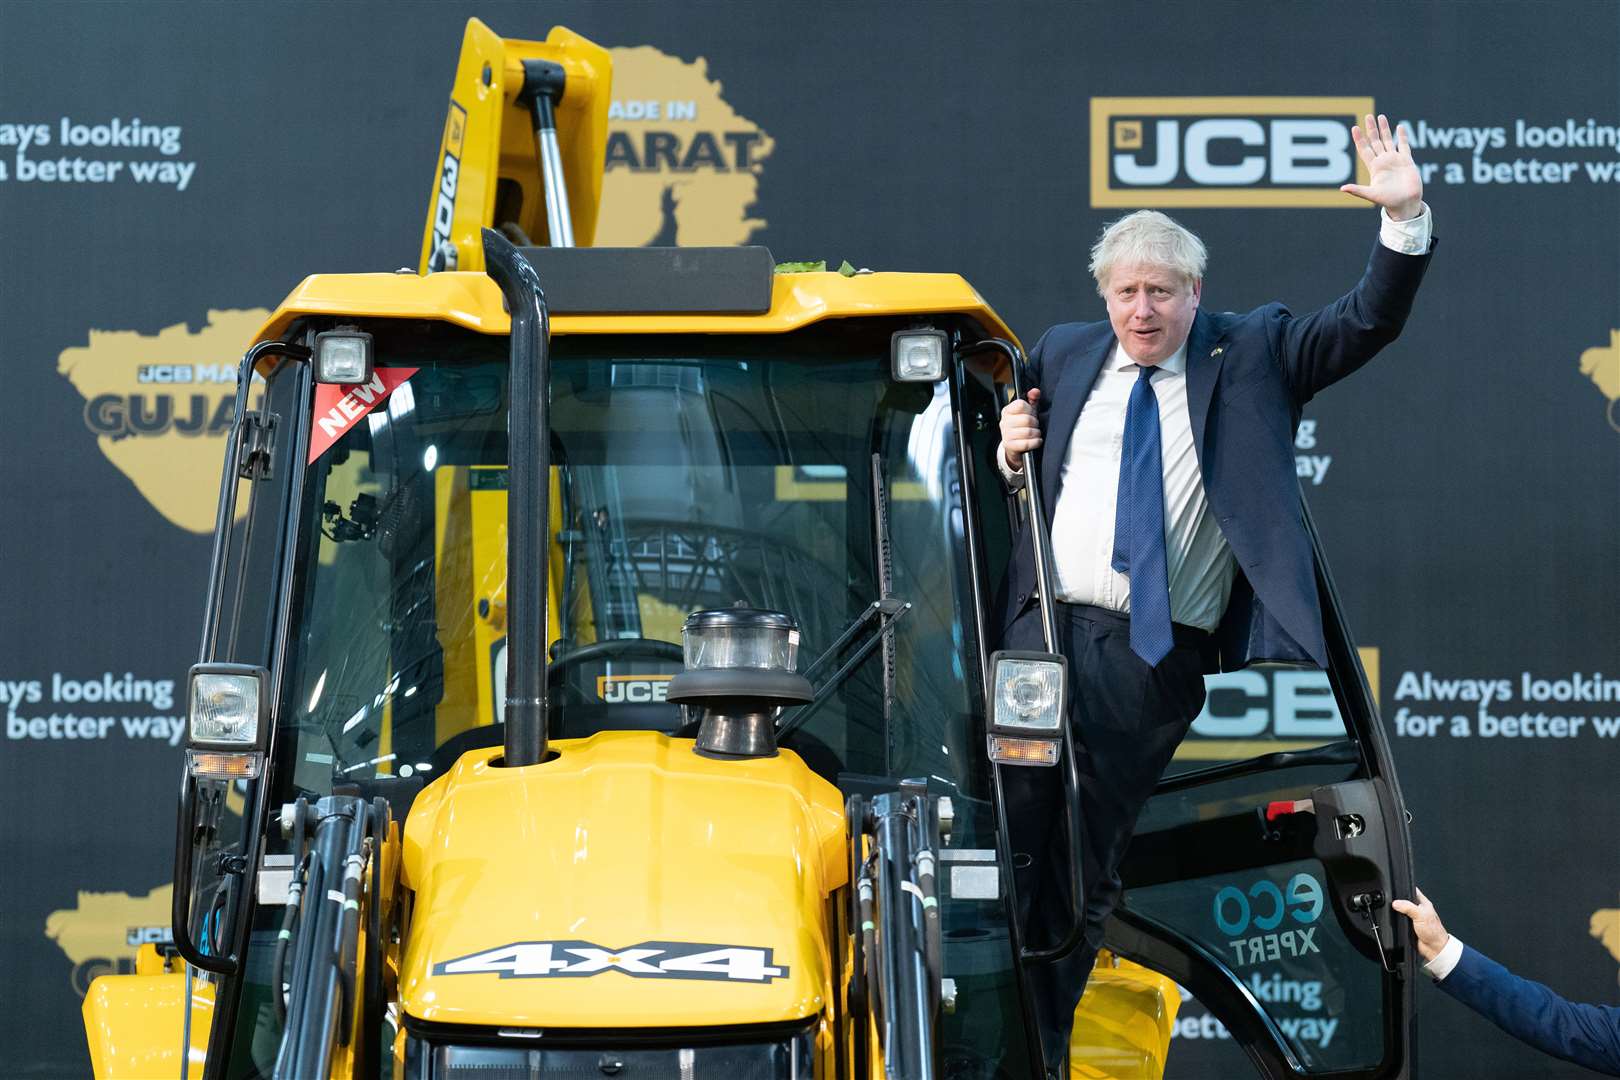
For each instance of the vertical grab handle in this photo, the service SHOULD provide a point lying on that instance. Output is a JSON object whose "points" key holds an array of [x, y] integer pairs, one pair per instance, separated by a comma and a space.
{"points": [[1041, 541], [1040, 537], [218, 563]]}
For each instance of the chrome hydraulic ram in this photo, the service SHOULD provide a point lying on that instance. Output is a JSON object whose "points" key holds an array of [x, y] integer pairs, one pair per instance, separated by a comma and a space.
{"points": [[543, 84], [899, 940], [321, 992]]}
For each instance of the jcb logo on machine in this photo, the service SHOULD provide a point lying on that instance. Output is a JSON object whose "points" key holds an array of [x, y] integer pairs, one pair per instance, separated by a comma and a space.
{"points": [[136, 936], [443, 256], [1225, 151], [632, 689], [649, 960]]}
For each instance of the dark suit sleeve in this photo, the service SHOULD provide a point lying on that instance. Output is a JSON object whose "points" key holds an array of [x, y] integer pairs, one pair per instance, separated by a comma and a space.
{"points": [[1588, 1035], [1320, 348], [1035, 362]]}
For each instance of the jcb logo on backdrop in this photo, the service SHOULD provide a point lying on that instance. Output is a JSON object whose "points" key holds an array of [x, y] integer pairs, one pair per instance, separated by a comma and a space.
{"points": [[160, 405], [1224, 151], [102, 931], [1269, 709]]}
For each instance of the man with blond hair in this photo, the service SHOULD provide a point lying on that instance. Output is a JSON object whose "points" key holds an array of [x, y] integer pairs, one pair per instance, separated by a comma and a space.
{"points": [[1177, 540]]}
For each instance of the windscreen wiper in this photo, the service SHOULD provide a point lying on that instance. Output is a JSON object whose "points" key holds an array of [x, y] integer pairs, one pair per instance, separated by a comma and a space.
{"points": [[880, 615], [873, 624]]}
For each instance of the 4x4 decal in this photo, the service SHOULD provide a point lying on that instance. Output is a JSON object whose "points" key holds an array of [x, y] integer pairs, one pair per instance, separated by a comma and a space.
{"points": [[648, 960]]}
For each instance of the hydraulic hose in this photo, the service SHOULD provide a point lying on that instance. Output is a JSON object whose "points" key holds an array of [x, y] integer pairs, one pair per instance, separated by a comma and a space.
{"points": [[348, 957], [278, 961], [927, 886]]}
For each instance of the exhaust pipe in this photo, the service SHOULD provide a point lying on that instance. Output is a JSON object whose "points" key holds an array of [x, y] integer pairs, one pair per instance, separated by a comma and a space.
{"points": [[528, 506]]}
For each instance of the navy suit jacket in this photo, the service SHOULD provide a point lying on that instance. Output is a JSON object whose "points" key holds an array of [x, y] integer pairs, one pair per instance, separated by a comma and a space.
{"points": [[1588, 1035], [1248, 377]]}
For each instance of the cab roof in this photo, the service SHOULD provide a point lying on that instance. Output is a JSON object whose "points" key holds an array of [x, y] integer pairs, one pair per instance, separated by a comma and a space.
{"points": [[473, 300]]}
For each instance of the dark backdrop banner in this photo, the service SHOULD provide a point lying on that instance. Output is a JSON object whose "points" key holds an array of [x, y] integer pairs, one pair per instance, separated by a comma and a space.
{"points": [[169, 171]]}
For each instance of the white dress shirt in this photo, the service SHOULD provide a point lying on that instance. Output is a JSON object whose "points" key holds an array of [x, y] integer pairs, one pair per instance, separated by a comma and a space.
{"points": [[1445, 959], [1200, 563]]}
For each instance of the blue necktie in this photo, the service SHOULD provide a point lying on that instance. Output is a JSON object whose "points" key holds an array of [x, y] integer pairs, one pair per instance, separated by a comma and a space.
{"points": [[1139, 524]]}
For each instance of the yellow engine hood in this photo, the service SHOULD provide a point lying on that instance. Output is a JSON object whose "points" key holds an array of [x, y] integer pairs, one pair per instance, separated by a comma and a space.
{"points": [[626, 882]]}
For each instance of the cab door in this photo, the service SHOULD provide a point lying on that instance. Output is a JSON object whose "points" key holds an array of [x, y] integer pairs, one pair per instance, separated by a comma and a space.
{"points": [[1262, 872]]}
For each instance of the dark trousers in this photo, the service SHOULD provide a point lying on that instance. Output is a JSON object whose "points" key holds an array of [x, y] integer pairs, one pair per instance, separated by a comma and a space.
{"points": [[1127, 720]]}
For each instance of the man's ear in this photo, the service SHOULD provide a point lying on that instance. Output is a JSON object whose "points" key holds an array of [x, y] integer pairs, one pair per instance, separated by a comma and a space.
{"points": [[1197, 291]]}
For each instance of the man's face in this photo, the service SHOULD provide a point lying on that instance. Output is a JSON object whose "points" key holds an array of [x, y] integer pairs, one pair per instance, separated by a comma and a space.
{"points": [[1151, 309]]}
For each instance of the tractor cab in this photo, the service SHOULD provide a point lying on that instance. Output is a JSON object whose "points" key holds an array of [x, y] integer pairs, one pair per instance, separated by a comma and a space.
{"points": [[786, 461]]}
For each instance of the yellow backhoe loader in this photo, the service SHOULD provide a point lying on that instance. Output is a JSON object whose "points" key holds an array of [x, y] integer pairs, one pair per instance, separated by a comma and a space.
{"points": [[604, 664]]}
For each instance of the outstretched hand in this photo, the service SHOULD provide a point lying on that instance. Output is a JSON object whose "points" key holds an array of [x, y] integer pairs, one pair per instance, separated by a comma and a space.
{"points": [[1426, 924], [1393, 179]]}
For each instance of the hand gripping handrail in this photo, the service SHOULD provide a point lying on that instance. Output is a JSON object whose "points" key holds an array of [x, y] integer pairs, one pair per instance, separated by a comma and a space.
{"points": [[1041, 541]]}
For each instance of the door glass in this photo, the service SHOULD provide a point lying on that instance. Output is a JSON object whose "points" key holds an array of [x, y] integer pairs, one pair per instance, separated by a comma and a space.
{"points": [[1270, 922], [1264, 709]]}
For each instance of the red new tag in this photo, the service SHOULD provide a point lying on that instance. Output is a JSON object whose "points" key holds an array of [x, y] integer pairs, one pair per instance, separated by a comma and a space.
{"points": [[339, 408]]}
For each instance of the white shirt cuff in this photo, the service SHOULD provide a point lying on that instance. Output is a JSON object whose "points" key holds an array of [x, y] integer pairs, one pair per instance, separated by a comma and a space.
{"points": [[1014, 480], [1445, 959], [1409, 237]]}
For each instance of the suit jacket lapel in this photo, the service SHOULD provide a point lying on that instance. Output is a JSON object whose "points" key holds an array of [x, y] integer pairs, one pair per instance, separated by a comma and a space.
{"points": [[1205, 354], [1068, 397]]}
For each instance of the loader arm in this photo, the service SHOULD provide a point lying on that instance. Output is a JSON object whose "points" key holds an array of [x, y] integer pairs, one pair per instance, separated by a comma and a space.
{"points": [[489, 172]]}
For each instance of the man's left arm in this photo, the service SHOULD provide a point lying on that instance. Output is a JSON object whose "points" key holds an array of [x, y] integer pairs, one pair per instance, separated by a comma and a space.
{"points": [[1586, 1034], [1318, 349]]}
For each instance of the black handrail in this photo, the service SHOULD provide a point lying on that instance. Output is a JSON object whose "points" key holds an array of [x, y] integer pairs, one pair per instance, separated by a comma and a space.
{"points": [[226, 513], [224, 518], [180, 907], [969, 472], [1041, 540], [528, 507]]}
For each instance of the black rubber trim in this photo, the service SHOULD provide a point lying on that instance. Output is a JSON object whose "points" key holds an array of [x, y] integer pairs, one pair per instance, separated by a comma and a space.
{"points": [[654, 280], [1136, 938], [1343, 752], [719, 684]]}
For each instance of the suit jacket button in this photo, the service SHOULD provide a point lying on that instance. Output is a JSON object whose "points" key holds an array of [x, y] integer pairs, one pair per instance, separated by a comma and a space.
{"points": [[1022, 597]]}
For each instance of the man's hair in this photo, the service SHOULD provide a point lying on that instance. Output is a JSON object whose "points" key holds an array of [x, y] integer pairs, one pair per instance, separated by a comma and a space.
{"points": [[1148, 238]]}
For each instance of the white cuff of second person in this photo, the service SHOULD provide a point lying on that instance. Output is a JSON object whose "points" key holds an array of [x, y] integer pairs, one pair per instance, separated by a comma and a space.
{"points": [[1445, 959]]}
